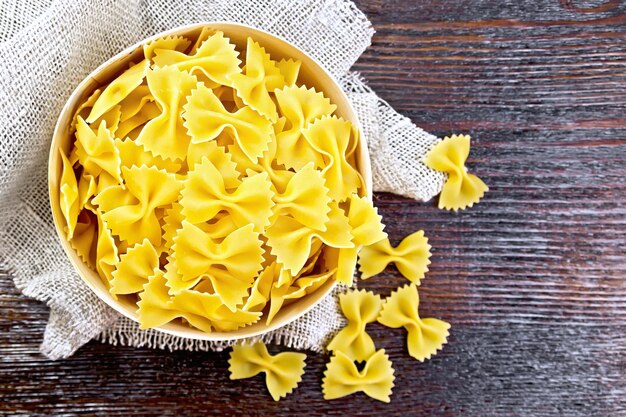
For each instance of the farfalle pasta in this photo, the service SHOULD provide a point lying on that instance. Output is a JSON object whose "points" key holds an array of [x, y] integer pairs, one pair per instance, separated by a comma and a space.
{"points": [[210, 186], [342, 377], [283, 371], [461, 189], [425, 336], [411, 257], [360, 308]]}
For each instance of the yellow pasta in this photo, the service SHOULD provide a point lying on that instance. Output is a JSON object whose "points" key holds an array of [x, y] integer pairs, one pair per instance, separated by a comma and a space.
{"points": [[216, 59], [206, 118], [330, 136], [69, 193], [134, 154], [283, 372], [343, 378], [283, 293], [204, 195], [170, 43], [291, 241], [461, 189], [305, 199], [425, 336], [165, 135], [135, 102], [359, 308], [85, 237], [134, 267], [107, 256], [130, 210], [366, 223], [411, 257], [118, 89], [290, 69], [261, 76], [202, 310], [212, 186], [97, 153], [198, 255], [300, 106]]}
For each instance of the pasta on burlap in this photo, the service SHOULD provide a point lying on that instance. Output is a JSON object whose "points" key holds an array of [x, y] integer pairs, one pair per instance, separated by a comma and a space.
{"points": [[31, 97]]}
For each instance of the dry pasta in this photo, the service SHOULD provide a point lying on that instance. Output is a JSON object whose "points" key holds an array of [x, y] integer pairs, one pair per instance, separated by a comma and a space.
{"points": [[210, 186]]}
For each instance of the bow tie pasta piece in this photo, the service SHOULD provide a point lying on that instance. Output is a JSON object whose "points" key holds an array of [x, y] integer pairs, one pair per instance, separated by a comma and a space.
{"points": [[261, 77], [135, 266], [218, 228], [219, 158], [345, 259], [292, 289], [261, 289], [461, 190], [84, 240], [283, 372], [232, 289], [68, 190], [118, 89], [130, 211], [156, 307], [291, 241], [198, 255], [366, 223], [134, 154], [81, 111], [107, 256], [197, 307], [425, 336], [204, 195], [111, 119], [300, 107], [132, 126], [305, 199], [342, 377], [206, 118], [290, 69], [203, 311], [172, 222], [87, 188], [331, 136], [135, 102], [165, 135], [97, 152], [216, 59], [171, 43], [360, 308], [366, 227], [411, 257]]}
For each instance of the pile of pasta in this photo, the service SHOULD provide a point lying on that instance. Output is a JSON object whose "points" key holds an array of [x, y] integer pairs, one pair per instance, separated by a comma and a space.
{"points": [[214, 190]]}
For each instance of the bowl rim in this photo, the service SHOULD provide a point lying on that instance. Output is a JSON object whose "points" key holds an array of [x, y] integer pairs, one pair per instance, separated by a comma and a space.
{"points": [[176, 329]]}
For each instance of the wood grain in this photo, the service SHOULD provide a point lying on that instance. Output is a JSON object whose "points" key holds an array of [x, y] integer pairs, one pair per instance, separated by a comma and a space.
{"points": [[532, 278]]}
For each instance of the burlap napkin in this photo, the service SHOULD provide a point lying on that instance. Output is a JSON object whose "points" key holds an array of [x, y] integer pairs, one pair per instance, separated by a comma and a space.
{"points": [[48, 47]]}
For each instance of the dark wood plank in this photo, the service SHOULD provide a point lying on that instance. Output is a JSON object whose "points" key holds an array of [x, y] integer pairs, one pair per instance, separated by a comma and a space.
{"points": [[532, 278]]}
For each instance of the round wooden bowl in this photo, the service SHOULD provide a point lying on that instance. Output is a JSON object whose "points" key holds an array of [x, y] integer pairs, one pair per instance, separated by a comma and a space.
{"points": [[312, 74]]}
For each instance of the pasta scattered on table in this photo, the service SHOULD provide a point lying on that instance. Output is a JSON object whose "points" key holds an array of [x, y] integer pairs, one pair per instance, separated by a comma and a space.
{"points": [[342, 377], [461, 189], [360, 308], [283, 371], [425, 336]]}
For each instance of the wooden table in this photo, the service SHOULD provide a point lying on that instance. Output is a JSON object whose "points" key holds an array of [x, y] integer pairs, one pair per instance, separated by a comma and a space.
{"points": [[532, 278]]}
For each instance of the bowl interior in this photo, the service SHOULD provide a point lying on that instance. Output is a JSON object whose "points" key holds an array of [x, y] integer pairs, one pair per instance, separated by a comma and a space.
{"points": [[311, 74]]}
